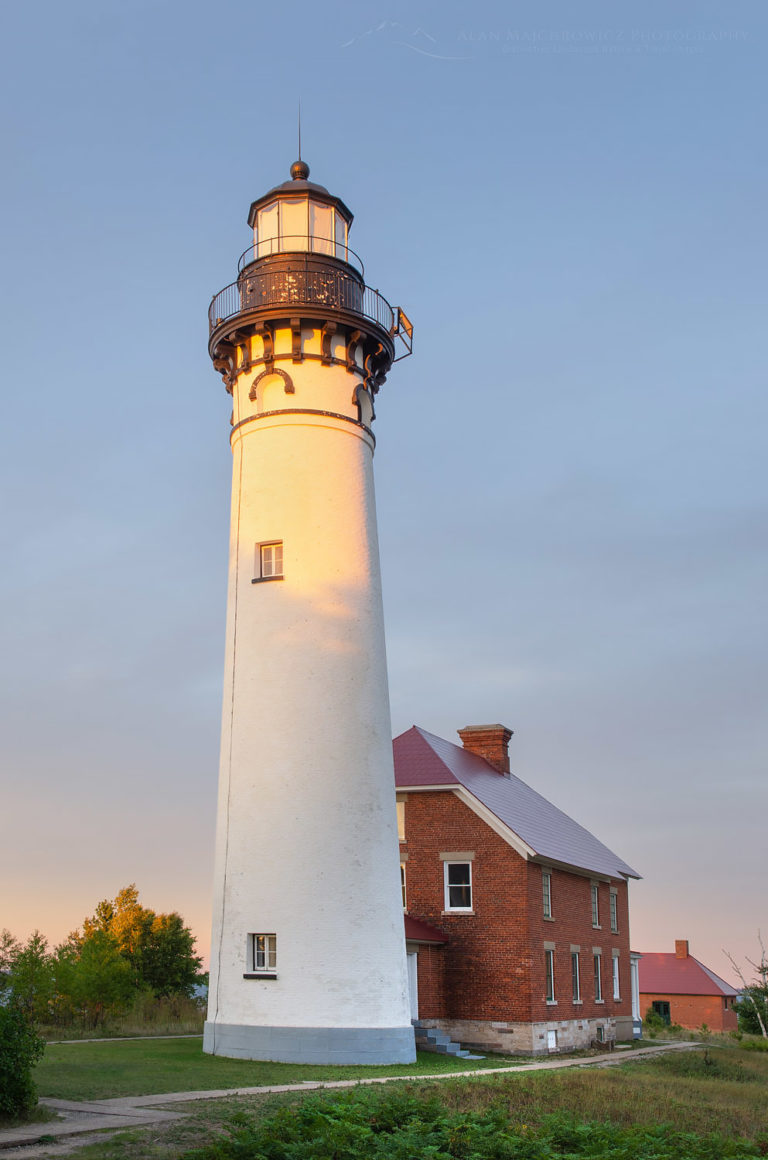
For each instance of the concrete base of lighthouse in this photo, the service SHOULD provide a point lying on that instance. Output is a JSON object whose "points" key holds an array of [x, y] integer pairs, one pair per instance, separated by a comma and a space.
{"points": [[333, 1045]]}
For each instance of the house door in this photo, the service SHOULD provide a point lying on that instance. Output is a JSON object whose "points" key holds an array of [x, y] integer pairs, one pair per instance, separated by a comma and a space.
{"points": [[661, 1007], [413, 983]]}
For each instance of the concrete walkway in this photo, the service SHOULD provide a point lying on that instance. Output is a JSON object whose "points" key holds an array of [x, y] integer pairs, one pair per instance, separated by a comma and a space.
{"points": [[79, 1117]]}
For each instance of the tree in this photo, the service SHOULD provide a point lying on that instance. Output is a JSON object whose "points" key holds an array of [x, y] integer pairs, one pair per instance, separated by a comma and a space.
{"points": [[9, 948], [96, 979], [753, 1008], [169, 964], [30, 978], [158, 947]]}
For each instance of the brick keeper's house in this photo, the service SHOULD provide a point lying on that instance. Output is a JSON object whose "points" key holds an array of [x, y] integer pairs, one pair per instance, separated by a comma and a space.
{"points": [[517, 918]]}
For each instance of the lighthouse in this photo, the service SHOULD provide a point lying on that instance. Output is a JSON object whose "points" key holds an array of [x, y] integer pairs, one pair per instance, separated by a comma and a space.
{"points": [[307, 953]]}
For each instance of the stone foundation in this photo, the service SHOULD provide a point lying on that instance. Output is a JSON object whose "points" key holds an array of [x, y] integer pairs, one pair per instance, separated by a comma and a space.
{"points": [[533, 1038]]}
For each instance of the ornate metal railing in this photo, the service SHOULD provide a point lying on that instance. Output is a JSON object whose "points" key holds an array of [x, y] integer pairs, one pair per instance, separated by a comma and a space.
{"points": [[300, 244], [303, 286]]}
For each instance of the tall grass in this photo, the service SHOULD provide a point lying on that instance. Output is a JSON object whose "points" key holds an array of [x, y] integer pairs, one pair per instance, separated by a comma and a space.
{"points": [[147, 1015], [729, 1095]]}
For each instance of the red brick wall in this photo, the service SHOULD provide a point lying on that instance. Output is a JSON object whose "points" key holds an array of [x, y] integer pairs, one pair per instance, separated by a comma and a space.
{"points": [[571, 924], [691, 1011], [431, 964], [494, 961], [486, 959]]}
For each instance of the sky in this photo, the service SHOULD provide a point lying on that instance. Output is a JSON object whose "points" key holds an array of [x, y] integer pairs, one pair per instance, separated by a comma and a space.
{"points": [[569, 202]]}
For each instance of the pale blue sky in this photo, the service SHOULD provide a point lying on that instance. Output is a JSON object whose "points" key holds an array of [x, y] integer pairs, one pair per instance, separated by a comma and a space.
{"points": [[569, 201]]}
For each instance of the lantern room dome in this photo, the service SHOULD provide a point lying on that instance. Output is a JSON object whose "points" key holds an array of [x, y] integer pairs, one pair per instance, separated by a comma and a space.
{"points": [[299, 186]]}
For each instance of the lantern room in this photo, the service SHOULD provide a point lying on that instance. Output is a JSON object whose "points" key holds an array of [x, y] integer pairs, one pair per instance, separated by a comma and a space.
{"points": [[300, 216]]}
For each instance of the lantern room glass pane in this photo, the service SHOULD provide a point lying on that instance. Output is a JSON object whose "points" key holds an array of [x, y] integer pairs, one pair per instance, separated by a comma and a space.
{"points": [[341, 236], [321, 228], [266, 230], [294, 226]]}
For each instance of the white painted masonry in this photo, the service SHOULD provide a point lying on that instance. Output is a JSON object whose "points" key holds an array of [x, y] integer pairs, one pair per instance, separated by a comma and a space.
{"points": [[306, 846]]}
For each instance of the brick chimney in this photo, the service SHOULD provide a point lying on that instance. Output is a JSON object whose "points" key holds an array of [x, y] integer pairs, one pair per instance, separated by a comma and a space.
{"points": [[681, 948], [488, 741]]}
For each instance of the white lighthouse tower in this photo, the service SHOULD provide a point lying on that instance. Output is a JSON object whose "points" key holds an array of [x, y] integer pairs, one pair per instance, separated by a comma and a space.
{"points": [[307, 956]]}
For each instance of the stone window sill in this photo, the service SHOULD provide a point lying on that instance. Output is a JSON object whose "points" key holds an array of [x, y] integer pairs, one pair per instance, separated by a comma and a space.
{"points": [[266, 579], [470, 912], [551, 1002], [548, 917]]}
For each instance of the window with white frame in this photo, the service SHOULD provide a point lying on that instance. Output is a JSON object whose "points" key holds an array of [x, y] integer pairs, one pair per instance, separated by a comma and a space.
{"points": [[457, 879], [546, 890], [549, 975], [615, 968], [614, 904], [261, 954], [597, 965], [401, 820], [269, 561], [595, 904], [575, 977], [402, 884]]}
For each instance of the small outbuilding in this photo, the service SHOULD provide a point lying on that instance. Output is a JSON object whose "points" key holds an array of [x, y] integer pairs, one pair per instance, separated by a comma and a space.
{"points": [[682, 990]]}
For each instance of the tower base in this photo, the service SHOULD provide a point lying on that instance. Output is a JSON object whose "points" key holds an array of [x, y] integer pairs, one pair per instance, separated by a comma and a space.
{"points": [[335, 1045]]}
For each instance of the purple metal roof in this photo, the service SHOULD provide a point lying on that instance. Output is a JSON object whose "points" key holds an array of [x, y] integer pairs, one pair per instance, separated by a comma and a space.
{"points": [[423, 759], [665, 974]]}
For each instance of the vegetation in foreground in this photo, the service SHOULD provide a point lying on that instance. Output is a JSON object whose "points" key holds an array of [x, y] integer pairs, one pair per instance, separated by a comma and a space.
{"points": [[715, 1100], [20, 1047], [400, 1125]]}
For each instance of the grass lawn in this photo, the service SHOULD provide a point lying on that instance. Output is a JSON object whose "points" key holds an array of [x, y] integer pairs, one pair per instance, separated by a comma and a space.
{"points": [[95, 1071]]}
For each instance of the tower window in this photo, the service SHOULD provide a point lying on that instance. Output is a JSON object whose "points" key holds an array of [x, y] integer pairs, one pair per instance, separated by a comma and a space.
{"points": [[269, 561], [261, 959]]}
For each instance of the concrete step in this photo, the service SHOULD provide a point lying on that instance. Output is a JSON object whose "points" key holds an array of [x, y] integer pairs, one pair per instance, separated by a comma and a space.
{"points": [[442, 1044]]}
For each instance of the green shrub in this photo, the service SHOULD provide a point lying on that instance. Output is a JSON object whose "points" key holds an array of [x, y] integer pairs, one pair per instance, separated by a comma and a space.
{"points": [[20, 1047], [366, 1125]]}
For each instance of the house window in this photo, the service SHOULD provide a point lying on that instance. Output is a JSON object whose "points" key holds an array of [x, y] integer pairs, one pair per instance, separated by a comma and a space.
{"points": [[595, 905], [575, 977], [614, 903], [549, 972], [269, 561], [546, 887], [262, 955], [598, 978], [458, 885], [615, 966], [402, 883], [401, 821]]}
